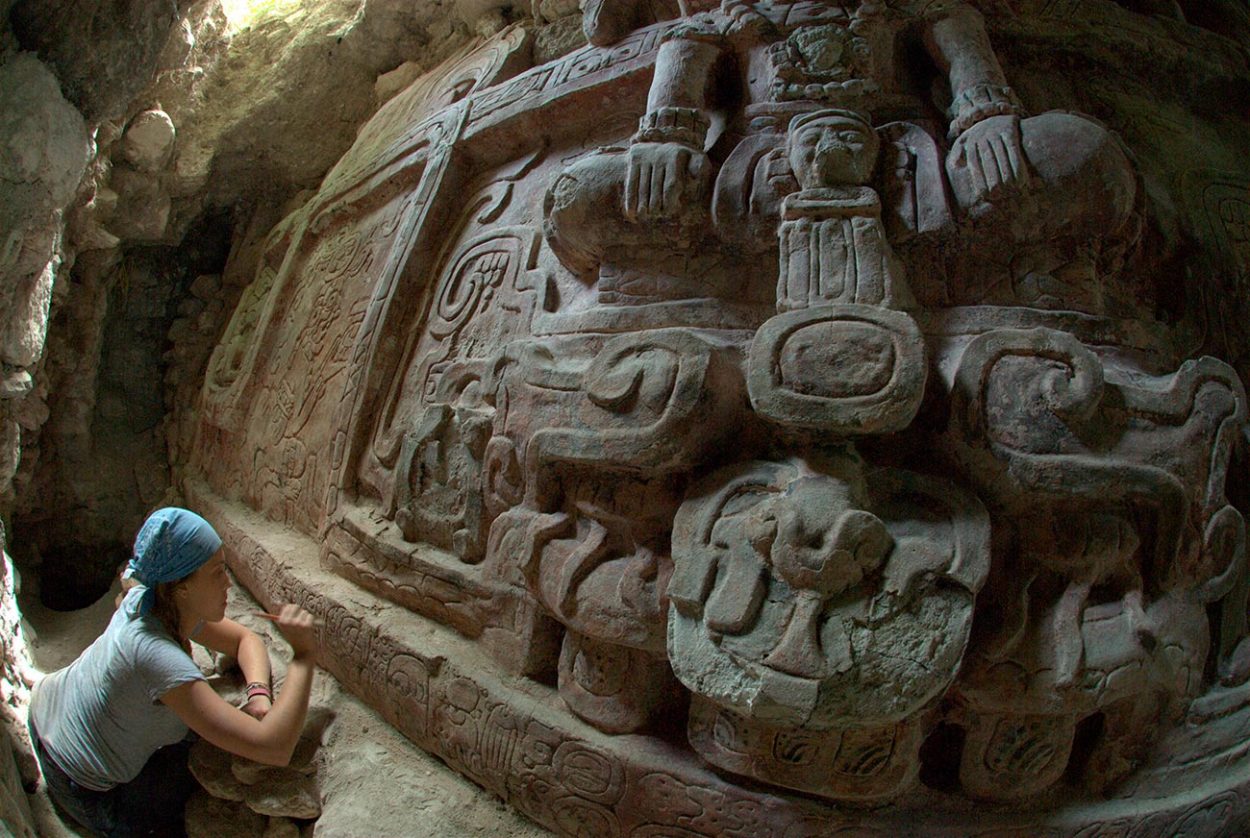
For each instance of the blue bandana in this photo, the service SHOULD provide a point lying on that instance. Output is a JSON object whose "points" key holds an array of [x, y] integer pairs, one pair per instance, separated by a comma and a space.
{"points": [[172, 544]]}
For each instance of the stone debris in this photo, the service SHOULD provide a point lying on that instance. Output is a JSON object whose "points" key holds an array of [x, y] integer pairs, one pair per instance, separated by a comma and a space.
{"points": [[212, 817], [282, 828], [284, 793], [149, 141], [211, 766], [290, 791]]}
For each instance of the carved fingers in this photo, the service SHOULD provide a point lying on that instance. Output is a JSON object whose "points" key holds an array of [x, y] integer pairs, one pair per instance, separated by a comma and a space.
{"points": [[662, 180], [991, 157]]}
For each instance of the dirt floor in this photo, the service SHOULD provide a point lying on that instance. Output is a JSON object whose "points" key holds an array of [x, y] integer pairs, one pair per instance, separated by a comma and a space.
{"points": [[374, 782]]}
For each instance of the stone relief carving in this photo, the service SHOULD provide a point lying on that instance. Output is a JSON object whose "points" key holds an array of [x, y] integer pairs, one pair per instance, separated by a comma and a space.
{"points": [[822, 414], [813, 631]]}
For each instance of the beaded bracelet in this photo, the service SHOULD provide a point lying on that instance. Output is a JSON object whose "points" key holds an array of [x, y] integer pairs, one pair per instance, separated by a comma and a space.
{"points": [[673, 125], [259, 688]]}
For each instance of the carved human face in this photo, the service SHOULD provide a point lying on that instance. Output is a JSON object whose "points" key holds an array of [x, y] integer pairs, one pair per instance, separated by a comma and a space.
{"points": [[832, 152]]}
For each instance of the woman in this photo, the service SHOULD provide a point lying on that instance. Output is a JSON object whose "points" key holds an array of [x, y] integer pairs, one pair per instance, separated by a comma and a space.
{"points": [[109, 729]]}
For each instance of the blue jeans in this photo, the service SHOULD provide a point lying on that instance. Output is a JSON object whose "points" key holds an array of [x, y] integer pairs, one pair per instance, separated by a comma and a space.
{"points": [[152, 804]]}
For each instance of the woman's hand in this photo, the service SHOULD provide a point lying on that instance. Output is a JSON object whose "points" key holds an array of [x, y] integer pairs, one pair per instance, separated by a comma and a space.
{"points": [[259, 731], [299, 628], [258, 707]]}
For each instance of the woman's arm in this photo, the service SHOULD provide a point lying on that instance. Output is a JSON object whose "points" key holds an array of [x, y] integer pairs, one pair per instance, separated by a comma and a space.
{"points": [[270, 740], [245, 646]]}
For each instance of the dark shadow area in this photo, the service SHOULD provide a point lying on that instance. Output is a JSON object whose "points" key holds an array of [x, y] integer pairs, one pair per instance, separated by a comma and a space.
{"points": [[102, 459], [940, 755]]}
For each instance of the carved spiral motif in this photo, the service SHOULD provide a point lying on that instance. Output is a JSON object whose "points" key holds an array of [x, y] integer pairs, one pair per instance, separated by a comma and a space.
{"points": [[476, 275]]}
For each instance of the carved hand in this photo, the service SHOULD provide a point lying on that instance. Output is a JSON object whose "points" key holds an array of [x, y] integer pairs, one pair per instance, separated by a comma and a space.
{"points": [[993, 156], [663, 179]]}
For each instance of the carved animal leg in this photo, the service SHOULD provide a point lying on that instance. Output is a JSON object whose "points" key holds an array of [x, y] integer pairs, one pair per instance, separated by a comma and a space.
{"points": [[799, 651], [1065, 623], [579, 564]]}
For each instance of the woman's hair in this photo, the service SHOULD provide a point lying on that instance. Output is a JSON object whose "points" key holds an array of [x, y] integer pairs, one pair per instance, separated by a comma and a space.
{"points": [[165, 609]]}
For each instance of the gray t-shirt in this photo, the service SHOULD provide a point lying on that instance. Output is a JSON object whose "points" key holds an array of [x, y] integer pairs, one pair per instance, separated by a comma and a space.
{"points": [[101, 717]]}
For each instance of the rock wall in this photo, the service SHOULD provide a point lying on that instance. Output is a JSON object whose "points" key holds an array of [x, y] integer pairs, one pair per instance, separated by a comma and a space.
{"points": [[846, 400], [201, 141], [45, 152], [17, 768]]}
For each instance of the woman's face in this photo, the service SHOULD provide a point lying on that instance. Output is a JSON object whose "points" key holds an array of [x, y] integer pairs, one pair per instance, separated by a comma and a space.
{"points": [[203, 593]]}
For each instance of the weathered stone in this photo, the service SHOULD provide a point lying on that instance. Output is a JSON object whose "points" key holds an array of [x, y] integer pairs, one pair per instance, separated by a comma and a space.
{"points": [[103, 53], [15, 813], [178, 47], [282, 828], [389, 84], [206, 287], [285, 90], [149, 141], [552, 10], [43, 152], [45, 143], [143, 205], [10, 448], [17, 764], [212, 768], [303, 761], [284, 793], [559, 38], [15, 384]]}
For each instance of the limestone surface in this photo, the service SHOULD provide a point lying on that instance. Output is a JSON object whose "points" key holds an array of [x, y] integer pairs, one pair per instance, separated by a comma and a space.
{"points": [[44, 150]]}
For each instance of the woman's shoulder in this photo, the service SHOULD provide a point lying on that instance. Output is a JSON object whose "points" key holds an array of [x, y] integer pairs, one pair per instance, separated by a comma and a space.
{"points": [[141, 635]]}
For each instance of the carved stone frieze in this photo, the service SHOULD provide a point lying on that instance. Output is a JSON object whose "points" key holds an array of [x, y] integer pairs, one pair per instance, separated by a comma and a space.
{"points": [[791, 410]]}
